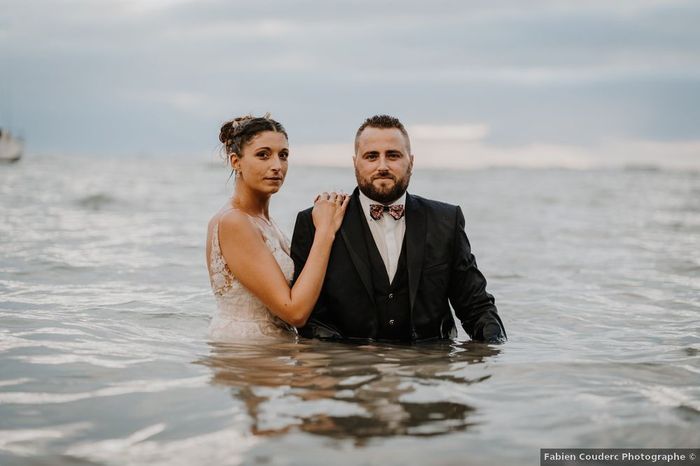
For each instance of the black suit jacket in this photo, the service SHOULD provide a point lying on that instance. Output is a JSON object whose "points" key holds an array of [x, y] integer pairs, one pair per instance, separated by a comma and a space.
{"points": [[441, 269]]}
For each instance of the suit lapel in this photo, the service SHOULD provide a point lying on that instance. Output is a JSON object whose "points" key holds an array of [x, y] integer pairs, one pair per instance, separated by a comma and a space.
{"points": [[416, 229], [354, 238]]}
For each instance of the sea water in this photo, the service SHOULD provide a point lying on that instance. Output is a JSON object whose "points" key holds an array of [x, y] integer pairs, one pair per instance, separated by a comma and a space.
{"points": [[105, 302]]}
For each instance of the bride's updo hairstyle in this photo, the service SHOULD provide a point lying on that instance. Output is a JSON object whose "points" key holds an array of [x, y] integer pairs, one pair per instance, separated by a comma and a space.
{"points": [[235, 134]]}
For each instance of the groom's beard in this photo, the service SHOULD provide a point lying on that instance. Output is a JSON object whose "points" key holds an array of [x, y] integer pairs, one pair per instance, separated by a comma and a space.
{"points": [[384, 196]]}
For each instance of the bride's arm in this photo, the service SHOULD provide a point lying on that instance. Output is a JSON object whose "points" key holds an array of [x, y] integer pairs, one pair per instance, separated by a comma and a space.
{"points": [[254, 266]]}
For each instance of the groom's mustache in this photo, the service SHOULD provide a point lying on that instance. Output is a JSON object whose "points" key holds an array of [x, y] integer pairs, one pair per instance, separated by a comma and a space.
{"points": [[384, 176]]}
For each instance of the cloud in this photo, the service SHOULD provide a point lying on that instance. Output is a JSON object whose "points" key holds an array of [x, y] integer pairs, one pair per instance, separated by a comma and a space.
{"points": [[541, 73], [146, 7], [464, 132], [177, 100]]}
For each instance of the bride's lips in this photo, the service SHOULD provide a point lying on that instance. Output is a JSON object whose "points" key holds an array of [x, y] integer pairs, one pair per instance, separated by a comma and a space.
{"points": [[274, 178]]}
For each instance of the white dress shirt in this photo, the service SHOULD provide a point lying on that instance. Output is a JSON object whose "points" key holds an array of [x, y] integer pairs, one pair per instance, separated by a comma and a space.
{"points": [[387, 233]]}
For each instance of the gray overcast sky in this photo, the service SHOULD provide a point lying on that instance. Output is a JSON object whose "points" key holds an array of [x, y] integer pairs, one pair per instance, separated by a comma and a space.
{"points": [[159, 76]]}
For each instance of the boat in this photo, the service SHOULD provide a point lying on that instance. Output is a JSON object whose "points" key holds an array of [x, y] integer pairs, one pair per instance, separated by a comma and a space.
{"points": [[10, 147]]}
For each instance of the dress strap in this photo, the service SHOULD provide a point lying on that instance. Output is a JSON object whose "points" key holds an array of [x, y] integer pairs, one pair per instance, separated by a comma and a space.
{"points": [[216, 257], [281, 238], [215, 237], [215, 246]]}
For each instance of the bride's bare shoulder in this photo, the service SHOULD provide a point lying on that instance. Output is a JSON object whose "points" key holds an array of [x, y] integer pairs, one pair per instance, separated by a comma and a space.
{"points": [[224, 216], [235, 223]]}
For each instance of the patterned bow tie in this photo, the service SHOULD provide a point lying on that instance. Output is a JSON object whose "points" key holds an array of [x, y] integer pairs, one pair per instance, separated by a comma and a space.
{"points": [[376, 210]]}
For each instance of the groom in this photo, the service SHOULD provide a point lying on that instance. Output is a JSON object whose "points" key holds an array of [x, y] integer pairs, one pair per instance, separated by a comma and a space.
{"points": [[398, 259]]}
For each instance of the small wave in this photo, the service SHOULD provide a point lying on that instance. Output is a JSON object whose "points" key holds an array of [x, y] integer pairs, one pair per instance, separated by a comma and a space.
{"points": [[65, 267], [641, 167], [54, 331], [505, 276], [59, 359], [226, 446], [96, 201], [7, 383], [671, 397], [136, 386], [689, 412], [26, 442]]}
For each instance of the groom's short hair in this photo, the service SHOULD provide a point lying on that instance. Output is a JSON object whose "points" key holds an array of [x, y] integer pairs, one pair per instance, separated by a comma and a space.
{"points": [[383, 122]]}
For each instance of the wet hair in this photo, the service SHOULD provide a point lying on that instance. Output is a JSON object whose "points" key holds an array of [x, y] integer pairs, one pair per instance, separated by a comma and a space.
{"points": [[235, 134], [382, 122]]}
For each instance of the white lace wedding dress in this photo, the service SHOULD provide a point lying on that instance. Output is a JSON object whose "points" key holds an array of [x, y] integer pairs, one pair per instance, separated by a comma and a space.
{"points": [[240, 315]]}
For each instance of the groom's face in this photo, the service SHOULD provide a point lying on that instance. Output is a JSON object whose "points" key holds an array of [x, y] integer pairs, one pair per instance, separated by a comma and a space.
{"points": [[383, 164]]}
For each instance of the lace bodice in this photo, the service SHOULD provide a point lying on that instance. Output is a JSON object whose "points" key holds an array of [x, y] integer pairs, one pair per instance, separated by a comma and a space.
{"points": [[240, 314]]}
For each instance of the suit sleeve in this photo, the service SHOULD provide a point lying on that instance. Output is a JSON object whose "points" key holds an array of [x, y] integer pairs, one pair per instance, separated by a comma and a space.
{"points": [[302, 240], [474, 307]]}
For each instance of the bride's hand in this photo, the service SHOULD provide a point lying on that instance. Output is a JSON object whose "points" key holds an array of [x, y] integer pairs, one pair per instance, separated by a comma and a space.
{"points": [[329, 210]]}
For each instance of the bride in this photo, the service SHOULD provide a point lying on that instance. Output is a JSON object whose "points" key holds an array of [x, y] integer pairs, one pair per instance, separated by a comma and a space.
{"points": [[247, 255]]}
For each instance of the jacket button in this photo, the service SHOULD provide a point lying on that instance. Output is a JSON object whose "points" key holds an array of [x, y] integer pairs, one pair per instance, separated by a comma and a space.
{"points": [[391, 322], [391, 295]]}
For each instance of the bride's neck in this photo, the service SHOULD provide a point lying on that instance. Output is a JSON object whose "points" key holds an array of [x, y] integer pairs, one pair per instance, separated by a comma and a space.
{"points": [[251, 202]]}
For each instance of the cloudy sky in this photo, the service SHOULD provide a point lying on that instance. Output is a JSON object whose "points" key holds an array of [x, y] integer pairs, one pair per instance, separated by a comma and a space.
{"points": [[542, 82]]}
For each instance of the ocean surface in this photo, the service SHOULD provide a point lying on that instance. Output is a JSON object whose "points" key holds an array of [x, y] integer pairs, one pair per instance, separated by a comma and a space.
{"points": [[105, 302]]}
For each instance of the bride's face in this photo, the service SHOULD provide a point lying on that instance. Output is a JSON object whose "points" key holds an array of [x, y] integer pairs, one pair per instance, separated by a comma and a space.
{"points": [[263, 165]]}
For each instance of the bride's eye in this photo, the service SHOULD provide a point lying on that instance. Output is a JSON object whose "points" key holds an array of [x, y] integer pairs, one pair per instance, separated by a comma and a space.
{"points": [[262, 155], [284, 155]]}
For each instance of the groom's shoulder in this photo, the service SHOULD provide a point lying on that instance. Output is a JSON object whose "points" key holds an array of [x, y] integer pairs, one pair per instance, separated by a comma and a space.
{"points": [[436, 207], [304, 217], [305, 212]]}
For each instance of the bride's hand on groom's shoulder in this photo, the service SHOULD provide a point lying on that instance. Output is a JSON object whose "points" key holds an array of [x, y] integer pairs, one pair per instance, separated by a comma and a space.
{"points": [[329, 210]]}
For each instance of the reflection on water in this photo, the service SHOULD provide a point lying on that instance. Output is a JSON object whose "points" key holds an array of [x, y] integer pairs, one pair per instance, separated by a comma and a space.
{"points": [[351, 391]]}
